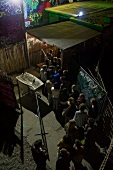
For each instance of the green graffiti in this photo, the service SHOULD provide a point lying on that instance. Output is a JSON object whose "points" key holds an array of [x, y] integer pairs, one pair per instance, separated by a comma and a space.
{"points": [[35, 17]]}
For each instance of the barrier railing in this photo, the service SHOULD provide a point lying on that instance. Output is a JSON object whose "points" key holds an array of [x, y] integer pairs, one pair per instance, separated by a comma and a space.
{"points": [[107, 112]]}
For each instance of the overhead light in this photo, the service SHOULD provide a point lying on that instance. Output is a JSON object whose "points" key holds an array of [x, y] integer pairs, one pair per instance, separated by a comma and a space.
{"points": [[80, 13]]}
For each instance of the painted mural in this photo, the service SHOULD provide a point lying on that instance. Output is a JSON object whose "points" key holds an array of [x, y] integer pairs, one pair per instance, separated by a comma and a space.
{"points": [[33, 10], [11, 22], [15, 15], [91, 89]]}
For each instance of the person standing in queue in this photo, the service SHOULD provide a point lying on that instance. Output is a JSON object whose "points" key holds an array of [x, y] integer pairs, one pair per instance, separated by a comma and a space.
{"points": [[39, 154], [43, 77]]}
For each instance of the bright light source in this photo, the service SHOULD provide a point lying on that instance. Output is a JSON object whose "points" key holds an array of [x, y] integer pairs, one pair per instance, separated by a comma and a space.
{"points": [[16, 1], [80, 13]]}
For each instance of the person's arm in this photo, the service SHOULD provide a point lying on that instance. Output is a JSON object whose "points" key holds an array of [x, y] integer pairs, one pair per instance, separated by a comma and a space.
{"points": [[43, 52], [101, 150], [64, 113], [75, 116], [86, 164]]}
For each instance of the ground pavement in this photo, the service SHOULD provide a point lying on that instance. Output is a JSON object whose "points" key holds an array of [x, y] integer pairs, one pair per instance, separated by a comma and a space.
{"points": [[31, 126]]}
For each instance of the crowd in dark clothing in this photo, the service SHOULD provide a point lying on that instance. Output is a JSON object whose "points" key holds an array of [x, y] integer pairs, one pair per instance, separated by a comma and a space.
{"points": [[69, 106]]}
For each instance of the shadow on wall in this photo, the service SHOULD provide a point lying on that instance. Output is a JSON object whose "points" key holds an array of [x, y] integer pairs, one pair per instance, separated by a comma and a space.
{"points": [[29, 102], [8, 139]]}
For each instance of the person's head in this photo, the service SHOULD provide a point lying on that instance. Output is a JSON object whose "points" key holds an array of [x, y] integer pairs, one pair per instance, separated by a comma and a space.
{"points": [[52, 67], [81, 96], [93, 101], [72, 122], [65, 72], [60, 72], [67, 140], [71, 125], [38, 143], [47, 61], [49, 55], [56, 85], [73, 87], [44, 67], [58, 67], [55, 59], [78, 143], [82, 106], [51, 51], [48, 81], [61, 86], [63, 91], [51, 78], [63, 79], [71, 101], [58, 61], [64, 152], [90, 122]]}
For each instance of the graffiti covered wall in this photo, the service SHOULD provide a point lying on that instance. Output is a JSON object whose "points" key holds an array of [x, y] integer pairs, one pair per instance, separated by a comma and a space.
{"points": [[33, 10]]}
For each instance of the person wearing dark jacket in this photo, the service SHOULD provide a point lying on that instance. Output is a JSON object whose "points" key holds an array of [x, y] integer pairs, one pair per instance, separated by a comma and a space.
{"points": [[74, 92], [63, 160], [69, 112], [93, 109], [39, 154]]}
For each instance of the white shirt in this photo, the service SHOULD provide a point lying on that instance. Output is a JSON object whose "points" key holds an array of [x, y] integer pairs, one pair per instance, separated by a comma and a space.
{"points": [[48, 86], [55, 93], [80, 118], [43, 74]]}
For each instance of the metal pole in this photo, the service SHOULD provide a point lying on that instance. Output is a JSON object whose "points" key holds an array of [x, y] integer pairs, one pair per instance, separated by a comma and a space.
{"points": [[43, 134], [22, 147]]}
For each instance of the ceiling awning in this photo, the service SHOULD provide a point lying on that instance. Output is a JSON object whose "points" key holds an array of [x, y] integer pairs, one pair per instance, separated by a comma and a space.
{"points": [[63, 34]]}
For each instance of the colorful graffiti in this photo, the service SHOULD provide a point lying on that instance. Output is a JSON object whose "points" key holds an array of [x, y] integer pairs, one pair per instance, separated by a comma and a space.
{"points": [[11, 22], [15, 15], [33, 10]]}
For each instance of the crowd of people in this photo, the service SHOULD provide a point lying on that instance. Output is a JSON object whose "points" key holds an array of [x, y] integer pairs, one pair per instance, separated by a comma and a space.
{"points": [[69, 106]]}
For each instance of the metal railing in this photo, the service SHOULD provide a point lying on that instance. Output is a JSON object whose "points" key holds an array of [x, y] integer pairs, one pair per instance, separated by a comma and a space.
{"points": [[107, 113]]}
